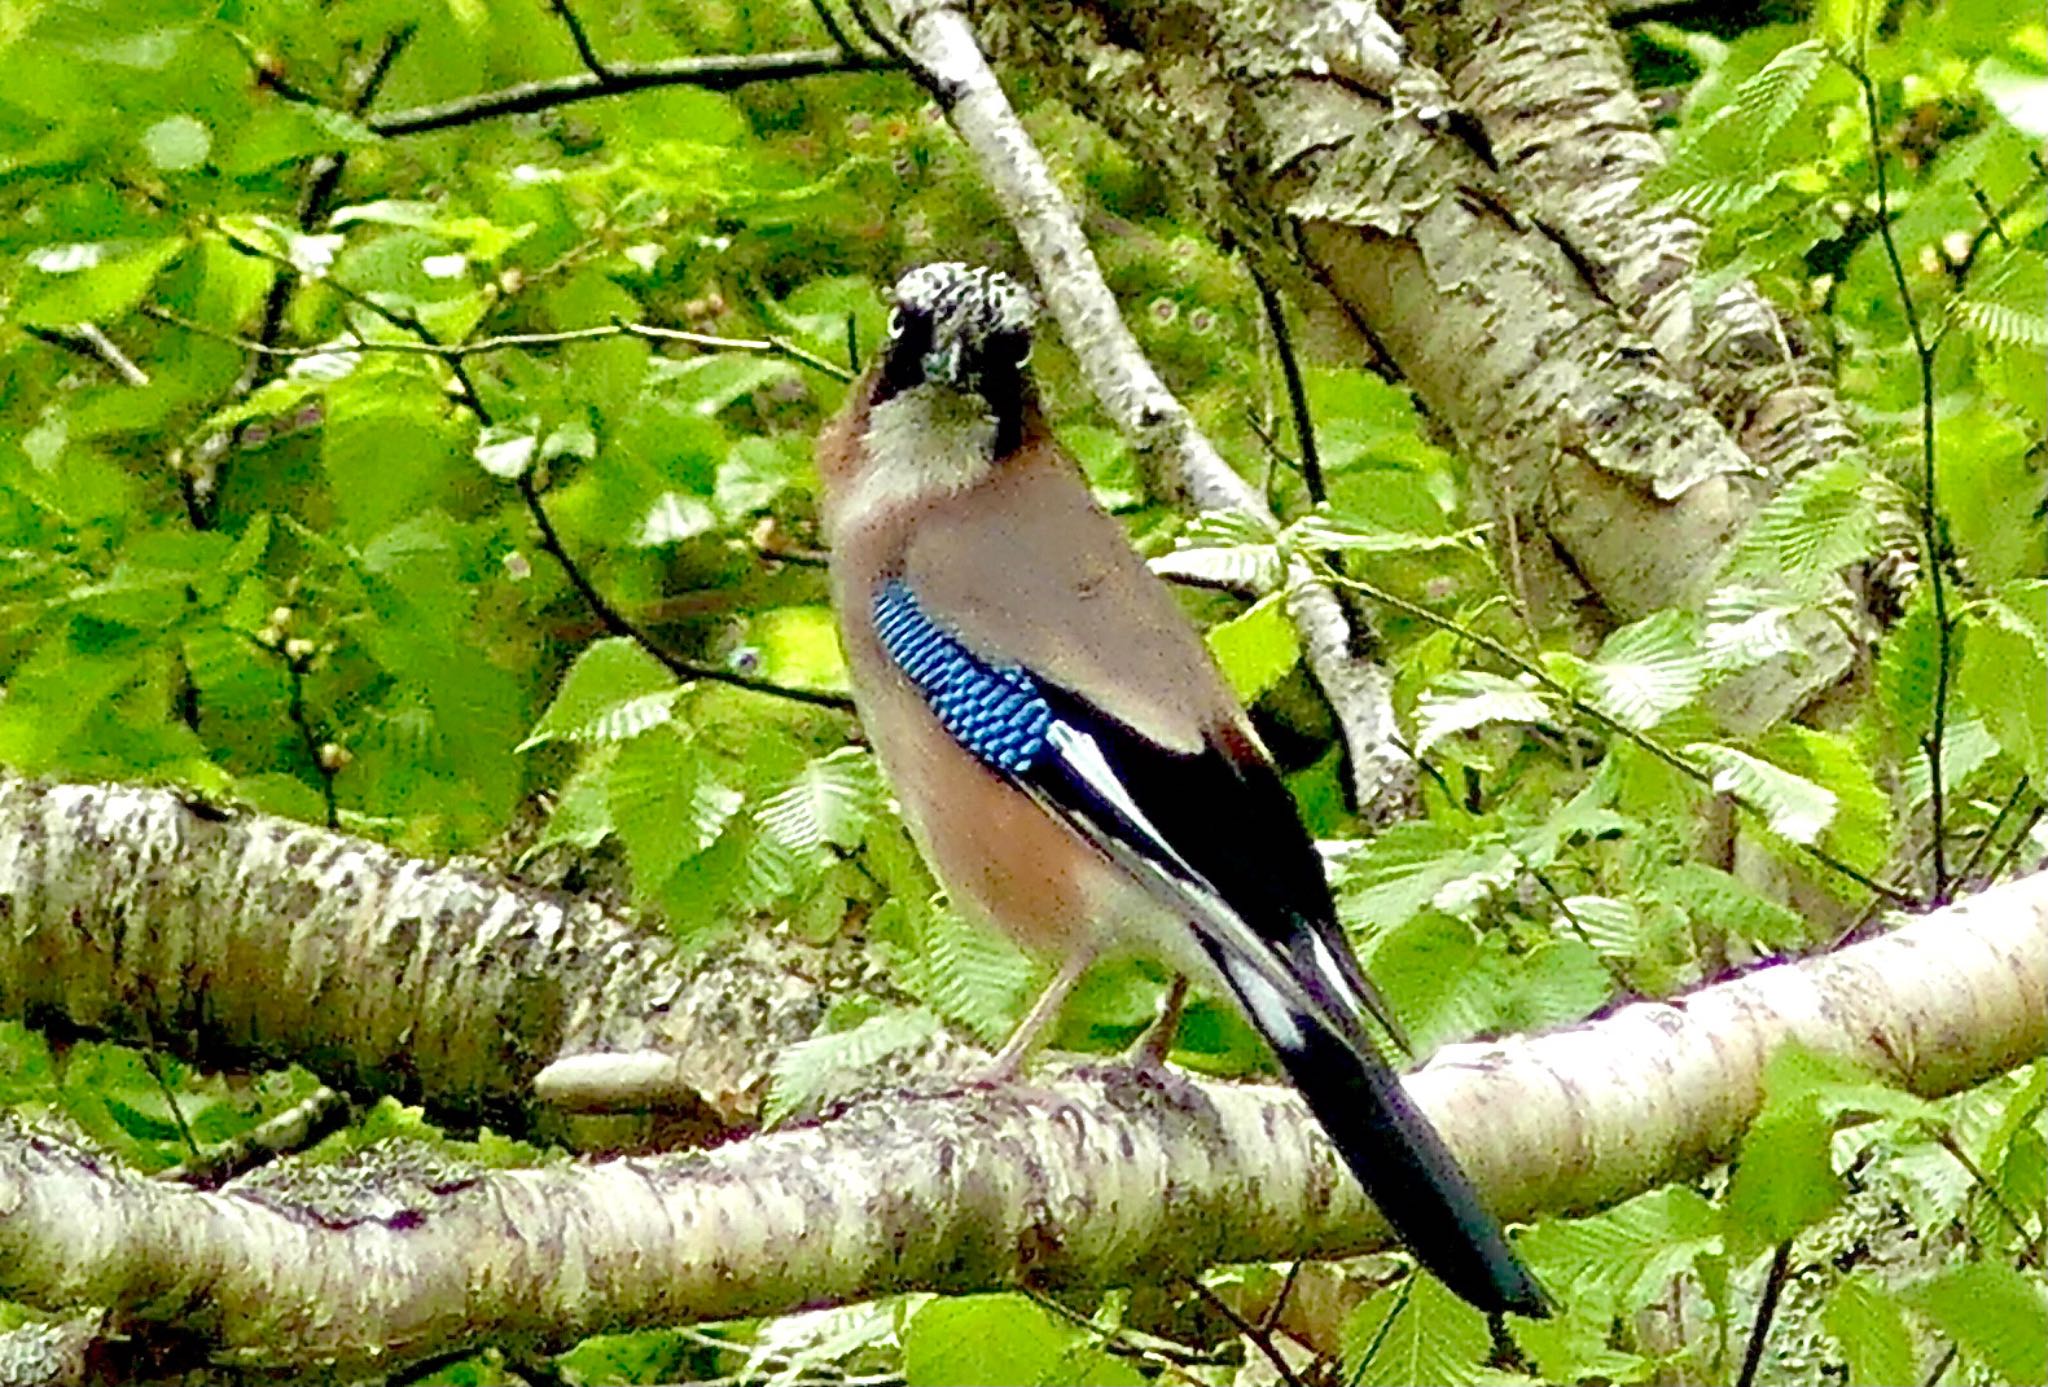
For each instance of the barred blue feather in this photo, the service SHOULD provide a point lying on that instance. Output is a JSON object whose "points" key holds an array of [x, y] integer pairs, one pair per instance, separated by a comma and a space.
{"points": [[994, 711]]}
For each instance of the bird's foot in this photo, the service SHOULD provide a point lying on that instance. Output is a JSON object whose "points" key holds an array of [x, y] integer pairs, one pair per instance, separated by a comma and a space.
{"points": [[1148, 1053]]}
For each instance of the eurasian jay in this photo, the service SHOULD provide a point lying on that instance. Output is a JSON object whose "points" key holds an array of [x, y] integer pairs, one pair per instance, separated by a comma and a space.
{"points": [[1070, 760]]}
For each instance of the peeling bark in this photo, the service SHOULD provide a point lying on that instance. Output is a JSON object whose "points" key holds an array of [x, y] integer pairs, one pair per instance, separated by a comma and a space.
{"points": [[235, 940], [1083, 1177], [1536, 339]]}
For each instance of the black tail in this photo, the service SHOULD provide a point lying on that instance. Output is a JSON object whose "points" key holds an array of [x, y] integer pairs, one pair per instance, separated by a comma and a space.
{"points": [[1394, 1151]]}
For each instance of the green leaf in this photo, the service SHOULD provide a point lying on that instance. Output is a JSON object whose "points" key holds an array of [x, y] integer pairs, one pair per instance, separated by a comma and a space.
{"points": [[1848, 25], [1792, 805], [1416, 1332], [983, 1341], [613, 693], [831, 802], [1227, 548], [975, 976], [177, 144], [1863, 1319], [506, 450], [2004, 669], [667, 805], [1465, 699], [803, 1076], [1729, 906], [1906, 670], [1821, 522], [1255, 648], [1648, 670], [1997, 1315], [90, 282]]}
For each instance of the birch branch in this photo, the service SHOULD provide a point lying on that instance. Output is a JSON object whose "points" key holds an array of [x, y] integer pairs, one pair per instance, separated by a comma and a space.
{"points": [[1180, 461], [1089, 1177], [233, 939]]}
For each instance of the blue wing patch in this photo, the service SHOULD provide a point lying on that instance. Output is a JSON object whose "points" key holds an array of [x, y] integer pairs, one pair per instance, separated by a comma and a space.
{"points": [[995, 711]]}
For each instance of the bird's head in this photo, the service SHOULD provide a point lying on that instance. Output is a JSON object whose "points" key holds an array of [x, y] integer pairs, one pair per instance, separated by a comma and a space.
{"points": [[963, 327]]}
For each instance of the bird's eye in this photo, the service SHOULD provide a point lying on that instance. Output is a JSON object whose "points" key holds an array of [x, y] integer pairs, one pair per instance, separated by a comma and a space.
{"points": [[895, 323]]}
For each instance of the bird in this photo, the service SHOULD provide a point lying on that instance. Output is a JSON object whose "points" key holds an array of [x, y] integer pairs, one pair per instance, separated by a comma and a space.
{"points": [[1071, 762]]}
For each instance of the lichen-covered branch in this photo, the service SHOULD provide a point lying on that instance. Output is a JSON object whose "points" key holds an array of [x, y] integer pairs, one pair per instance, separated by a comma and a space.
{"points": [[1327, 165], [1181, 462], [1090, 1177], [236, 939]]}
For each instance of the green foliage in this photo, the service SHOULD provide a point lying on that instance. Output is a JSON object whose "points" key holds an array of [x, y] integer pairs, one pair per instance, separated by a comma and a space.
{"points": [[285, 580]]}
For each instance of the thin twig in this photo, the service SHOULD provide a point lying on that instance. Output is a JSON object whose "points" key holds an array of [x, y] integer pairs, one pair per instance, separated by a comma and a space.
{"points": [[87, 340], [1930, 540], [1766, 1310], [577, 36], [1297, 392], [1969, 868], [1945, 1137], [1643, 740], [304, 1124], [316, 746], [615, 621], [155, 1068], [829, 22], [1379, 1336], [1279, 1305], [725, 72], [1941, 1364], [2012, 851], [1256, 1335], [514, 341]]}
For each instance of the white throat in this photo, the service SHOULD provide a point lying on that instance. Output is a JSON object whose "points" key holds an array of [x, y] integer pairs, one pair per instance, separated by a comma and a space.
{"points": [[930, 440]]}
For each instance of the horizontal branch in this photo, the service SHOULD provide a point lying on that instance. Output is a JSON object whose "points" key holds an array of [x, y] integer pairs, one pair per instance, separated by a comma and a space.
{"points": [[1089, 1177], [513, 341], [725, 72]]}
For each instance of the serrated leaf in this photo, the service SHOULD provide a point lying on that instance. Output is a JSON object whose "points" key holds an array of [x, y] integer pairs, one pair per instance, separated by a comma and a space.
{"points": [[1747, 626], [1403, 869], [1907, 666], [830, 802], [1792, 805], [1616, 1261], [2004, 668], [1323, 531], [1413, 1333], [1466, 699], [1821, 522], [974, 976], [1995, 1314], [982, 1341], [1725, 903], [1864, 1321], [614, 692], [1648, 670], [1226, 548], [666, 805], [1614, 927], [804, 1074], [1255, 648]]}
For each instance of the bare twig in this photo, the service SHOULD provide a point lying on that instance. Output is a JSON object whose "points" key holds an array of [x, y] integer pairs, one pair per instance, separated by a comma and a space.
{"points": [[1924, 349], [87, 340], [1255, 1334], [1297, 392], [1766, 1311], [725, 72], [156, 1072], [304, 1124], [1969, 868], [1183, 464], [615, 621], [567, 14], [516, 341]]}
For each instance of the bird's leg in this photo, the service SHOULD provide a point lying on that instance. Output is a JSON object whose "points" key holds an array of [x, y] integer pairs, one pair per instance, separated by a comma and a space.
{"points": [[1150, 1050], [1003, 1068]]}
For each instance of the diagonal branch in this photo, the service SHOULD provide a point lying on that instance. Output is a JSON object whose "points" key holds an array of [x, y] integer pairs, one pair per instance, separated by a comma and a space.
{"points": [[1183, 464]]}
